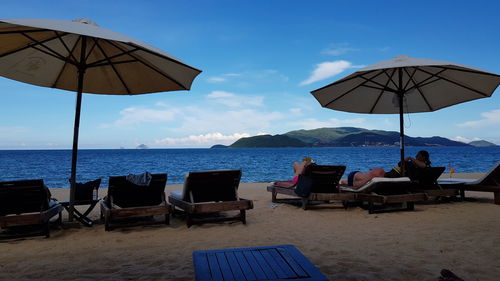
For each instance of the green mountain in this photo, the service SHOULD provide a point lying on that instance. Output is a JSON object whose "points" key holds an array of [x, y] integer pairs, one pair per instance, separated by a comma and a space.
{"points": [[481, 143], [342, 136], [269, 141]]}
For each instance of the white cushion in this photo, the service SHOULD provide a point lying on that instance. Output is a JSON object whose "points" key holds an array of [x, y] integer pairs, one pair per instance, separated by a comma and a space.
{"points": [[373, 182]]}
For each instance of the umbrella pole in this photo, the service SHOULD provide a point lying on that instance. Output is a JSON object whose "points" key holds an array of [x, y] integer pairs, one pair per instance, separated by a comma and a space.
{"points": [[76, 130], [401, 134], [74, 155], [400, 94]]}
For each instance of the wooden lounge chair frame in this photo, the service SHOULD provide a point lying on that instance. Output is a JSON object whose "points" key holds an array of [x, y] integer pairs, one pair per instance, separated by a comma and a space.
{"points": [[325, 180], [154, 193], [211, 192], [84, 197], [489, 182], [26, 202], [386, 191], [425, 180]]}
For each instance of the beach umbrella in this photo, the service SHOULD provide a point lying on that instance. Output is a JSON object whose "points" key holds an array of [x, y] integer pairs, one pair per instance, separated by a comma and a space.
{"points": [[407, 85], [83, 57]]}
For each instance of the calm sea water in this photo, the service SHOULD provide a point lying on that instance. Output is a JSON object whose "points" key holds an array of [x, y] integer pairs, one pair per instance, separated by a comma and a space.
{"points": [[257, 164]]}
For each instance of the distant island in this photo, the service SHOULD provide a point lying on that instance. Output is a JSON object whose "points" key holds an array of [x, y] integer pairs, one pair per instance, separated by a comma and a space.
{"points": [[343, 137], [142, 146], [481, 143]]}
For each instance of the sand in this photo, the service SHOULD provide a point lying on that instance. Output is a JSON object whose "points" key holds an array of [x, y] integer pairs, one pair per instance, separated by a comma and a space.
{"points": [[345, 245]]}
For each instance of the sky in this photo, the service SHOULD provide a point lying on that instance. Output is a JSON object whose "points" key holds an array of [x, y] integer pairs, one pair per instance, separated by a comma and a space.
{"points": [[260, 61]]}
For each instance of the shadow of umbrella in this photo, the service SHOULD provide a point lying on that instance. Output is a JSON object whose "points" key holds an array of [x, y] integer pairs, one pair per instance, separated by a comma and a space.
{"points": [[404, 84], [80, 56]]}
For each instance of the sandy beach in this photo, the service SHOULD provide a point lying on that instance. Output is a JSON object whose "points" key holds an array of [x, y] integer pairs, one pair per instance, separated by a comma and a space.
{"points": [[343, 244]]}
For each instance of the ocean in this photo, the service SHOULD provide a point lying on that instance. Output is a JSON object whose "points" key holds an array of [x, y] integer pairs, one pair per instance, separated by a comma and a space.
{"points": [[257, 164]]}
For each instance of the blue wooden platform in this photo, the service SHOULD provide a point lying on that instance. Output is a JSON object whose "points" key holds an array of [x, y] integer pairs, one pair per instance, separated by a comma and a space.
{"points": [[281, 262]]}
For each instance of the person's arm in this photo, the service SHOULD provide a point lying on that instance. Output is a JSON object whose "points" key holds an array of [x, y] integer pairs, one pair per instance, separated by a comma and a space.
{"points": [[418, 163]]}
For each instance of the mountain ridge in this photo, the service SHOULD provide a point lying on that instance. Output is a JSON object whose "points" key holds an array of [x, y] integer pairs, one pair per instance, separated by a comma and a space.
{"points": [[340, 137]]}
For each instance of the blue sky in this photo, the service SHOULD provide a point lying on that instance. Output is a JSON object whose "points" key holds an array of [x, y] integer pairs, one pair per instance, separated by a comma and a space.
{"points": [[260, 60]]}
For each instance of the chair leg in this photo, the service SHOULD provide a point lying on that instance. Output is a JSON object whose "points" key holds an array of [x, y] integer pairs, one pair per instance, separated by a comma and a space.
{"points": [[167, 219], [304, 203], [274, 194], [370, 208], [46, 229], [107, 226], [189, 220], [243, 216], [410, 206]]}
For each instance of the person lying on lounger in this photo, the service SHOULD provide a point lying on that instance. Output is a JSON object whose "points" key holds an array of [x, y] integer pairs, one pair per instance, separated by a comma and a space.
{"points": [[421, 160], [357, 179]]}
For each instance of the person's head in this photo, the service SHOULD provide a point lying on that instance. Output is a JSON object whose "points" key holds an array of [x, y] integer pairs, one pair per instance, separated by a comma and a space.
{"points": [[307, 160], [377, 172], [423, 155]]}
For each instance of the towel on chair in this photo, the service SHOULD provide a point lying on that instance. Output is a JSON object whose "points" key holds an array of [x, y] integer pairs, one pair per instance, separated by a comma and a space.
{"points": [[140, 179]]}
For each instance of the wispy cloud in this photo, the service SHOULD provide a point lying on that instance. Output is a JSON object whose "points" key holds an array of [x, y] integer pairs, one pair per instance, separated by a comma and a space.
{"points": [[326, 70], [251, 76], [490, 119], [233, 100], [200, 140], [216, 79], [339, 49], [6, 131], [197, 120], [133, 116]]}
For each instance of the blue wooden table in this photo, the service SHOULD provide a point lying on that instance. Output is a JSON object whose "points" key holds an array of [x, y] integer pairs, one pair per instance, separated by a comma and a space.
{"points": [[281, 262]]}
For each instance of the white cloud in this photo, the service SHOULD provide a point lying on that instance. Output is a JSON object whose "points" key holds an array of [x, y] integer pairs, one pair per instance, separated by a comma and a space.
{"points": [[296, 111], [133, 116], [464, 140], [196, 120], [6, 131], [233, 100], [222, 78], [490, 119], [326, 70], [216, 79], [338, 49], [201, 140]]}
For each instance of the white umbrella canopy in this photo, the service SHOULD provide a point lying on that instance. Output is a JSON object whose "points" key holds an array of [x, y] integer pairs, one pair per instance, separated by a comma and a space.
{"points": [[80, 56], [404, 84], [48, 53]]}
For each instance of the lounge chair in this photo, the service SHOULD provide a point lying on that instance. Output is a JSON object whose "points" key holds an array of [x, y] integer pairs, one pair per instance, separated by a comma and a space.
{"points": [[386, 191], [128, 200], [324, 186], [85, 194], [27, 202], [210, 192], [489, 182], [426, 181]]}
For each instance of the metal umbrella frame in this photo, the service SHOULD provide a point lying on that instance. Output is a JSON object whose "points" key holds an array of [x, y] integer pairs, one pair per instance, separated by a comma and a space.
{"points": [[404, 84], [66, 55]]}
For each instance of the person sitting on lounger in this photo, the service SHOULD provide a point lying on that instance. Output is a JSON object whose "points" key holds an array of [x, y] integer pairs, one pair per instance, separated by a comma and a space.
{"points": [[357, 179], [298, 168], [421, 160]]}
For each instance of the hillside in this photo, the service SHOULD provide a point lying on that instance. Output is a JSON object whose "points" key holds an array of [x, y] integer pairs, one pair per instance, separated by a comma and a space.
{"points": [[340, 137], [269, 141]]}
